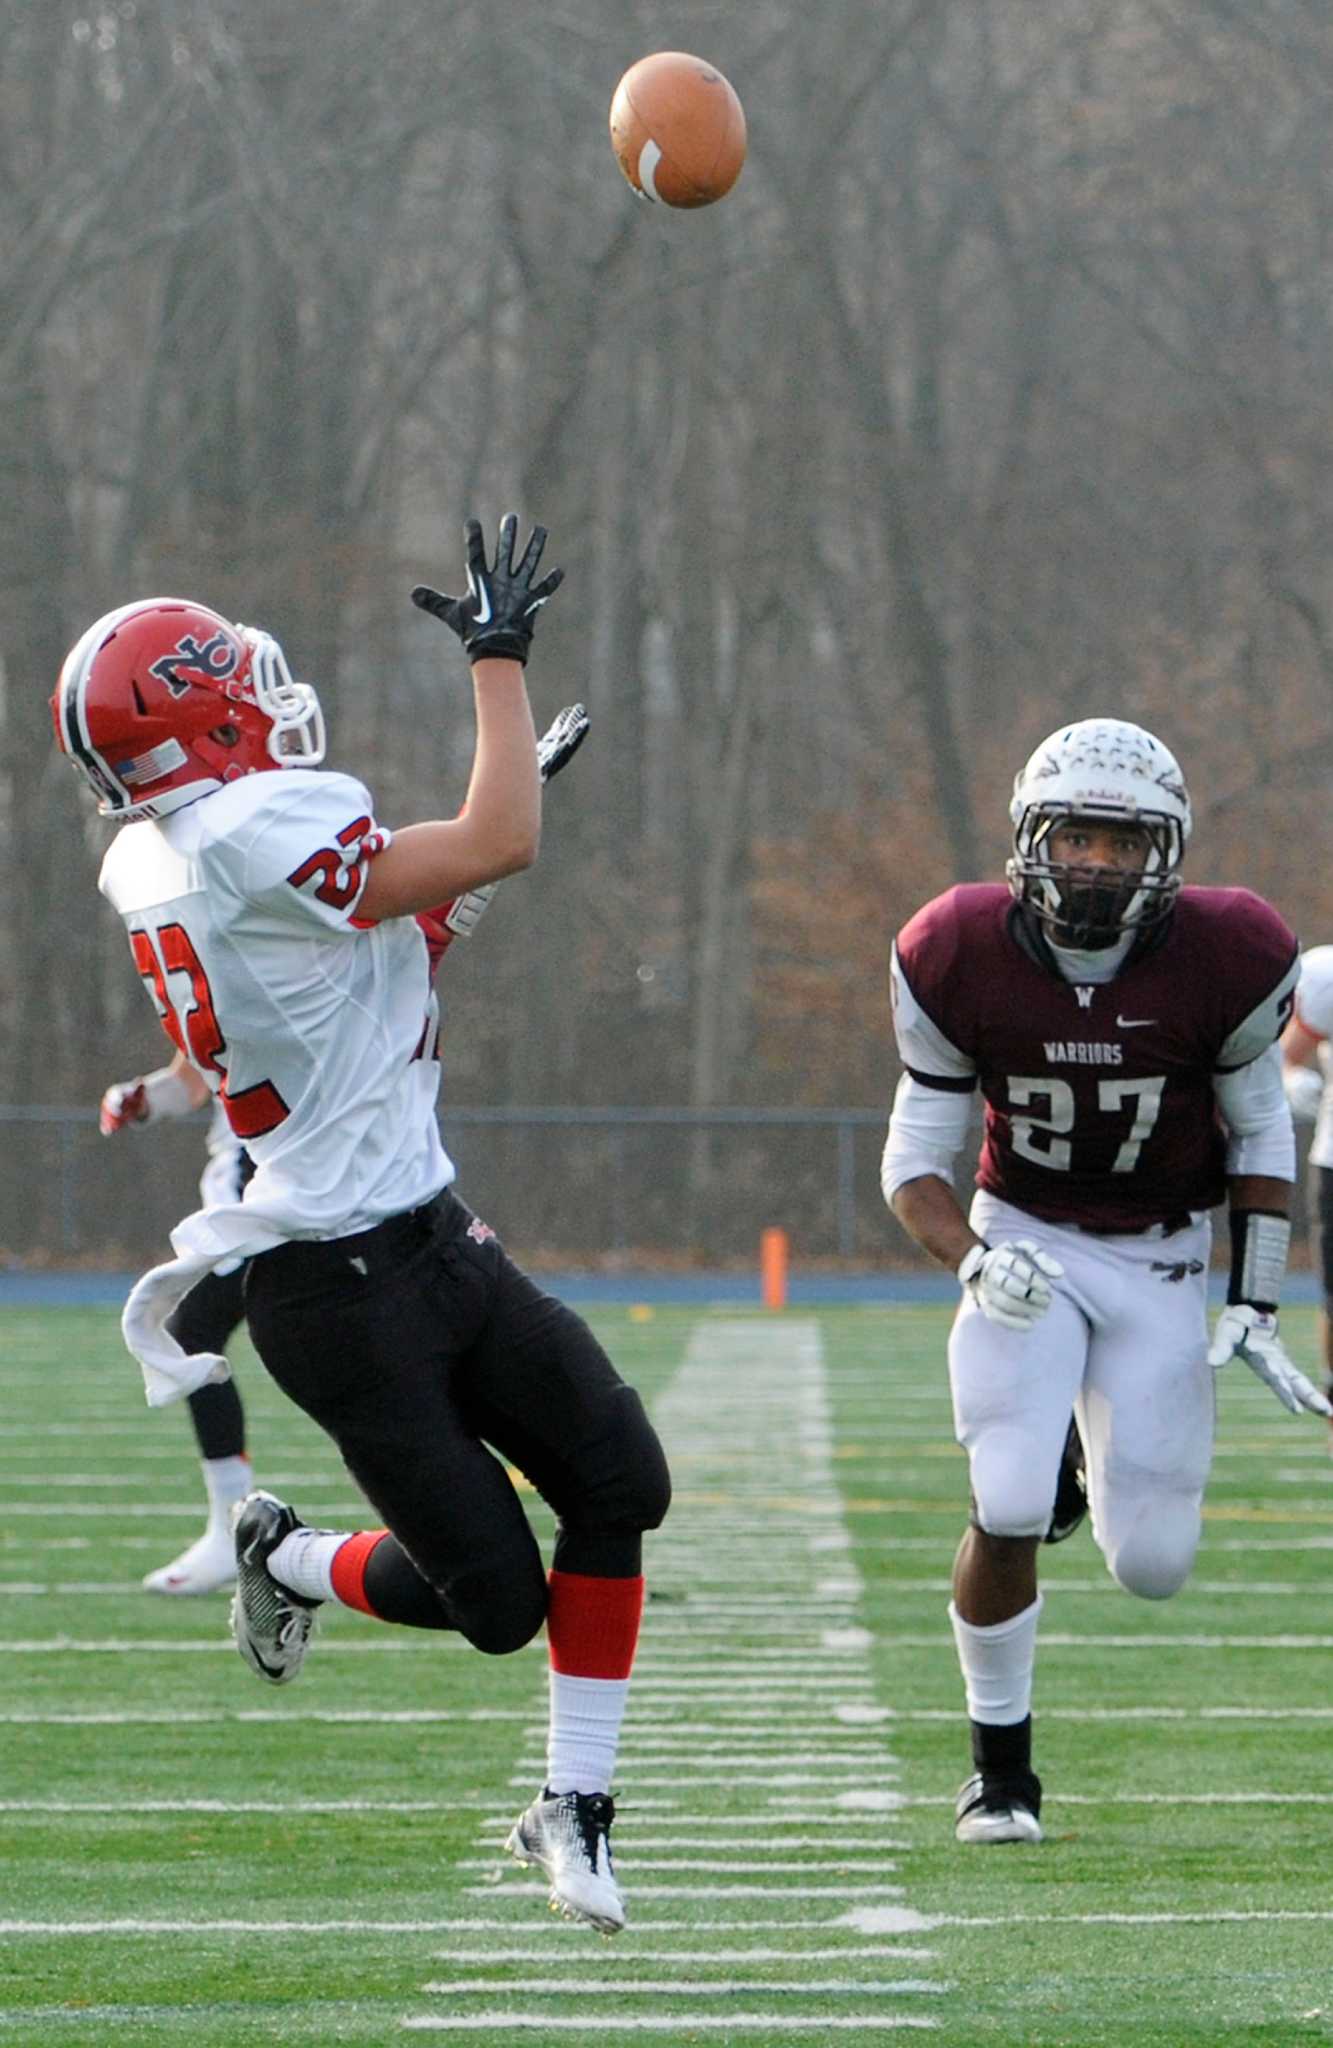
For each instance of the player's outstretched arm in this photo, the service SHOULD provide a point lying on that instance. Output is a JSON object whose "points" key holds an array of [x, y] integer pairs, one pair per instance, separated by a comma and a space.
{"points": [[499, 829], [458, 920]]}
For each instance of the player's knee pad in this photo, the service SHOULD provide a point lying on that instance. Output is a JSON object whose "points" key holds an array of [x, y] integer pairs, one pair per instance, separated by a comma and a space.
{"points": [[1151, 1554], [627, 1484], [500, 1604], [1013, 1485]]}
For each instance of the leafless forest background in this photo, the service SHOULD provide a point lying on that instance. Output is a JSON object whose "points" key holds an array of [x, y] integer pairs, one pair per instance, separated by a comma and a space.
{"points": [[998, 392]]}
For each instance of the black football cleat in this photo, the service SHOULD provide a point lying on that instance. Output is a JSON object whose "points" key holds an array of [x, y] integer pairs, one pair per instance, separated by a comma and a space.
{"points": [[272, 1625], [991, 1808]]}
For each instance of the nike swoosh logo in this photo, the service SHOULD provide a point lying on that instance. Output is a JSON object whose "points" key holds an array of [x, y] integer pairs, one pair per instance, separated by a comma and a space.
{"points": [[483, 617], [1133, 1023]]}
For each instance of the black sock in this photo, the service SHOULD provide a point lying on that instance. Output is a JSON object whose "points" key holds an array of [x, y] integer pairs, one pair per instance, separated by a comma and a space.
{"points": [[1002, 1752]]}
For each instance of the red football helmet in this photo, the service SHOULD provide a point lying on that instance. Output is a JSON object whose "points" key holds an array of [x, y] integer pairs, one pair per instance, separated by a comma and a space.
{"points": [[163, 701]]}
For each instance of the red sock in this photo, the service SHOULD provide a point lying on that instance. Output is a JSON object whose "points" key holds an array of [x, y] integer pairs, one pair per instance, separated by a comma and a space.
{"points": [[348, 1570], [592, 1625]]}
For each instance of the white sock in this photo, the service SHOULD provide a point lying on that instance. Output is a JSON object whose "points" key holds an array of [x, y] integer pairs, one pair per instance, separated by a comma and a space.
{"points": [[303, 1562], [997, 1665], [226, 1480], [586, 1714]]}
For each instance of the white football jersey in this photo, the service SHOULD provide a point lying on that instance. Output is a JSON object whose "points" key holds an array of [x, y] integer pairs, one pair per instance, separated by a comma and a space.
{"points": [[1314, 1007], [318, 1033], [220, 1180]]}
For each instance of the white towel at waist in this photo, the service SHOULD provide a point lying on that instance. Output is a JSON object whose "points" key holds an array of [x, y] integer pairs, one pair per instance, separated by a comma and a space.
{"points": [[209, 1238]]}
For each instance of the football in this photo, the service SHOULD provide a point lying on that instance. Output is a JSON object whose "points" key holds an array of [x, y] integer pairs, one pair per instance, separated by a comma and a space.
{"points": [[678, 130]]}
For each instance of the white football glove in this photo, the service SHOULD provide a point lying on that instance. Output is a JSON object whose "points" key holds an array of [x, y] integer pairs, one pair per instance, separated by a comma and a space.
{"points": [[555, 749], [1304, 1090], [125, 1103], [142, 1100], [1010, 1283], [1243, 1331]]}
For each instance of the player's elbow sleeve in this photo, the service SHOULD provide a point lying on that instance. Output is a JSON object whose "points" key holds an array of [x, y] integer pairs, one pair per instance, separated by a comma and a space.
{"points": [[898, 1170], [926, 1132]]}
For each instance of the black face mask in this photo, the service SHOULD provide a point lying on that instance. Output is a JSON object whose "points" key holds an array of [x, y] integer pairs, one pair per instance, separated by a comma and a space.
{"points": [[1093, 904]]}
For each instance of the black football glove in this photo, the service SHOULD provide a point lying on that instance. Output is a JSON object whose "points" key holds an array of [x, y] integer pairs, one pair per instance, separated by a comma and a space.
{"points": [[497, 616]]}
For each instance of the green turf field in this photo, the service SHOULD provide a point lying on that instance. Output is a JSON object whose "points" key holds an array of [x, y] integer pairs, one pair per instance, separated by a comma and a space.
{"points": [[188, 1856]]}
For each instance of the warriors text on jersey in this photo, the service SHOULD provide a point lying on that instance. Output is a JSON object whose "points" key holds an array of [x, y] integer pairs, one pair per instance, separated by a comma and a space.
{"points": [[1099, 1105], [318, 1034]]}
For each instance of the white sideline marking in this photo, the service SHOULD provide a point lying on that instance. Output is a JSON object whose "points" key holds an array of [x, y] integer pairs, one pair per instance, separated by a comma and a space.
{"points": [[592, 1987], [742, 1761], [661, 2023], [873, 1920], [375, 1717], [540, 1931], [689, 1824], [1143, 1714], [802, 1736], [116, 1646], [844, 1745], [512, 1890], [436, 1641], [227, 1806], [705, 1958], [181, 1925], [353, 1512], [773, 1866], [1212, 1544], [1158, 1799], [831, 1774]]}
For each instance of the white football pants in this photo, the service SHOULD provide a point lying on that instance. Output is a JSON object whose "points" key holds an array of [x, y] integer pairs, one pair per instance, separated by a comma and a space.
{"points": [[1124, 1345]]}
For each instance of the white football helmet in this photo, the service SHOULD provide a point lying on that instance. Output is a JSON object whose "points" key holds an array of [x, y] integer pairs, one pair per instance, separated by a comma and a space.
{"points": [[1109, 770]]}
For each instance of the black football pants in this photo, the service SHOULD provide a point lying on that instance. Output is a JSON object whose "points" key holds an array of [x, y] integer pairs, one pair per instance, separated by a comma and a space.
{"points": [[207, 1320], [417, 1345]]}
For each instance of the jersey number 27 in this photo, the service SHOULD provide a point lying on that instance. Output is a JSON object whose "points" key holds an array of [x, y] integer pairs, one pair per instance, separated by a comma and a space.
{"points": [[1043, 1139]]}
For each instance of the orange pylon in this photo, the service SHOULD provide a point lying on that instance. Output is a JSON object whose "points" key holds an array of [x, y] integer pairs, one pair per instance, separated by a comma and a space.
{"points": [[773, 1267]]}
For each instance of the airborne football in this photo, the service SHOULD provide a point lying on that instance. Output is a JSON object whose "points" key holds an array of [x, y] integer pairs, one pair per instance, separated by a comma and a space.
{"points": [[678, 130]]}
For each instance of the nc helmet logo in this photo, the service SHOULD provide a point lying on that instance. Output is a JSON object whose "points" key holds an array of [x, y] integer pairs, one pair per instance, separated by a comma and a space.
{"points": [[217, 657]]}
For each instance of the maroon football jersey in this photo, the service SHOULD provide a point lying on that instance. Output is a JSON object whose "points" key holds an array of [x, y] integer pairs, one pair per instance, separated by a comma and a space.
{"points": [[1099, 1104]]}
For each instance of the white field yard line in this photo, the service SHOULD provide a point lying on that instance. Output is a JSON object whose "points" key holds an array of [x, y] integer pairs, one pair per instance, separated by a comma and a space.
{"points": [[743, 1722], [771, 1635], [504, 2021], [751, 1674], [847, 1803], [539, 1934], [863, 1920], [1213, 1545], [586, 1987]]}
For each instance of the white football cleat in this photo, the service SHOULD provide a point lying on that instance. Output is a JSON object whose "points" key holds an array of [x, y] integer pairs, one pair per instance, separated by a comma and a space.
{"points": [[999, 1809], [566, 1835], [206, 1567]]}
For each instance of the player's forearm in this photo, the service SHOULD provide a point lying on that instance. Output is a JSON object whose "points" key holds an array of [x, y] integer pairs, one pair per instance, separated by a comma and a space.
{"points": [[499, 828], [929, 1212], [190, 1078], [504, 796]]}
